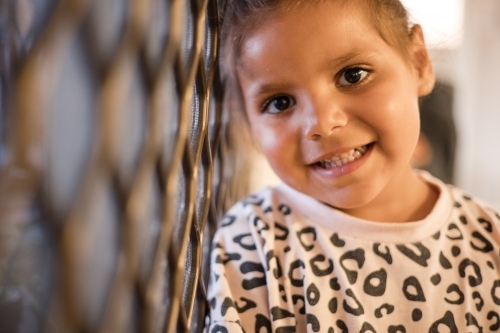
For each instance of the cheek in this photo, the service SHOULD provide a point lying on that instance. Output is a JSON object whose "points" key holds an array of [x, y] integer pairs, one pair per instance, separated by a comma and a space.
{"points": [[395, 115], [275, 142], [265, 136], [402, 128]]}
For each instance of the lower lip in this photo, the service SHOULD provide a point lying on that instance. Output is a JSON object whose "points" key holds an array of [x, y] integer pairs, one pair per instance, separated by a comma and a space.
{"points": [[345, 169]]}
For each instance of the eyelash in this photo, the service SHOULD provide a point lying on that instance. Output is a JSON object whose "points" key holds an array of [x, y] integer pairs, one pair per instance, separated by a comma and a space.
{"points": [[361, 82], [267, 103]]}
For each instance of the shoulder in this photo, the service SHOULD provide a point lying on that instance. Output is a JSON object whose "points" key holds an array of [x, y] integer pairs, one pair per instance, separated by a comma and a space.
{"points": [[480, 221], [242, 211], [253, 214], [462, 203], [472, 206], [261, 204]]}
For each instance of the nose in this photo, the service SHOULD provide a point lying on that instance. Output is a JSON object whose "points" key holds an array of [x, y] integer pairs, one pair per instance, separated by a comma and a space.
{"points": [[324, 116]]}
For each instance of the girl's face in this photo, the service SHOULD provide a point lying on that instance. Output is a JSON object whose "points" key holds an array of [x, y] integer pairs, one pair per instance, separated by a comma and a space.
{"points": [[333, 107]]}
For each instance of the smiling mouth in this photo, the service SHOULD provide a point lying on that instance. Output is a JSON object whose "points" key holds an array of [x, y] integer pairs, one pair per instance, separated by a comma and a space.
{"points": [[344, 158]]}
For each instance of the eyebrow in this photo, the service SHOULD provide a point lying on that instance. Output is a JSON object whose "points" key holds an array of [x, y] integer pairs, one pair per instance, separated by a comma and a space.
{"points": [[340, 61], [268, 88]]}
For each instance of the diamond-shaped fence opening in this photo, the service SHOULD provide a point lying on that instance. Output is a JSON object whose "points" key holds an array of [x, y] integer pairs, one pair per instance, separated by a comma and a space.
{"points": [[114, 163]]}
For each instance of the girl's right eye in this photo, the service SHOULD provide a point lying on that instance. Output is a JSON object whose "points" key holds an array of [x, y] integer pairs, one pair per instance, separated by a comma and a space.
{"points": [[278, 104]]}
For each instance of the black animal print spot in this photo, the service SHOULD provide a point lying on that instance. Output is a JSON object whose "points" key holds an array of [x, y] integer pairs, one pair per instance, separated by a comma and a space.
{"points": [[486, 224], [358, 310], [473, 280], [312, 294], [413, 282], [378, 288], [472, 321], [249, 304], [421, 258], [416, 315], [357, 255], [455, 233], [342, 326], [386, 255], [467, 197], [248, 267], [455, 250], [283, 229], [284, 209], [337, 241], [496, 285], [437, 235], [268, 210], [227, 221], [445, 263], [308, 246], [226, 304], [334, 284], [278, 313], [287, 249], [397, 329], [217, 246], [463, 219], [486, 245], [453, 288], [448, 320], [458, 204], [227, 258], [240, 241], [480, 304], [260, 224], [213, 303], [282, 293], [295, 299], [262, 322], [321, 272], [330, 330], [311, 319], [388, 310], [286, 329], [252, 200], [332, 305], [436, 279], [219, 329], [490, 264], [293, 266], [496, 325], [277, 272], [367, 327]]}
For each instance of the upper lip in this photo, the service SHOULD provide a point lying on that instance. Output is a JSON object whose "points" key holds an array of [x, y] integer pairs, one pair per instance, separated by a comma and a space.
{"points": [[337, 152]]}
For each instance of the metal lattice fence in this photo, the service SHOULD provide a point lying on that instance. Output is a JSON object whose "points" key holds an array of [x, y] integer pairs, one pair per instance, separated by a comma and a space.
{"points": [[111, 163]]}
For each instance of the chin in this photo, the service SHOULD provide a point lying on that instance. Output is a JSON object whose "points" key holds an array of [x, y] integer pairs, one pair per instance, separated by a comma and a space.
{"points": [[349, 199]]}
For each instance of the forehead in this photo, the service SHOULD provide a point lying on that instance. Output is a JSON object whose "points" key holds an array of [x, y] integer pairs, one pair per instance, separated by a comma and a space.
{"points": [[310, 36]]}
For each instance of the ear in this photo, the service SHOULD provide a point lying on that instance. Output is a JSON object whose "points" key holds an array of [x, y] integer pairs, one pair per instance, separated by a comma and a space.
{"points": [[421, 61]]}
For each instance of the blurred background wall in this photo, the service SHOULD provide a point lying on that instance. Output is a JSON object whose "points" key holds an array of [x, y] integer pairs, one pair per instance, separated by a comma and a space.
{"points": [[463, 37]]}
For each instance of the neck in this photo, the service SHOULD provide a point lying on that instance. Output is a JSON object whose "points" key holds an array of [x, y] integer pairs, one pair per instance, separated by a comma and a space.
{"points": [[407, 198]]}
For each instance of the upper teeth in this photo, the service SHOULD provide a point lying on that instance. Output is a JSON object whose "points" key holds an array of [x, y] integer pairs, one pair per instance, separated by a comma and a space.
{"points": [[344, 158]]}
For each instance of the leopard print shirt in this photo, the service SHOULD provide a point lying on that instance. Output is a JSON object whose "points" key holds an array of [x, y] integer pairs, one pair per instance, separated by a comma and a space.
{"points": [[284, 262]]}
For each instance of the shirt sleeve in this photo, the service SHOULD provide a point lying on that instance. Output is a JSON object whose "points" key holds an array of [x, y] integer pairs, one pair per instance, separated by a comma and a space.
{"points": [[237, 291]]}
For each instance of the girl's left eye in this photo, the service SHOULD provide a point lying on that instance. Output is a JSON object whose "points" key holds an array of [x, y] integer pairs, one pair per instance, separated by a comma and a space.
{"points": [[352, 76]]}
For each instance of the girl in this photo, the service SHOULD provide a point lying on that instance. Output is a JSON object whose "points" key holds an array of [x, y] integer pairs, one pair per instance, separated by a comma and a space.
{"points": [[353, 240]]}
